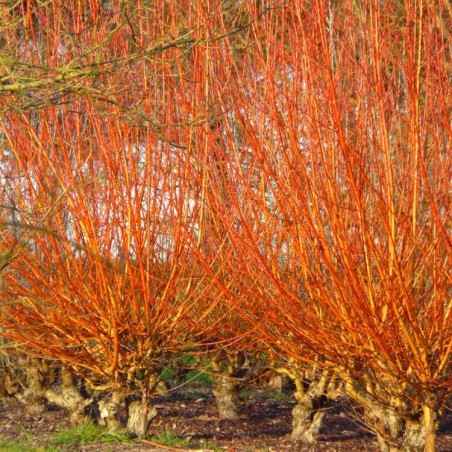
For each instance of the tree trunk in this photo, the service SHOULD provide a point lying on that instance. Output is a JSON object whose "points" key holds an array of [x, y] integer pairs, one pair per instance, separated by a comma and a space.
{"points": [[388, 427], [140, 415], [229, 370], [109, 408], [402, 419], [225, 391], [69, 397], [312, 383], [308, 414], [397, 433], [33, 396], [306, 421]]}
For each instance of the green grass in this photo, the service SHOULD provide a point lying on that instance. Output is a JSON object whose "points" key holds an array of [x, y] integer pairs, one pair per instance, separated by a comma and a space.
{"points": [[79, 435], [168, 374], [244, 395], [169, 438], [8, 446], [89, 433], [25, 436], [277, 395], [196, 376]]}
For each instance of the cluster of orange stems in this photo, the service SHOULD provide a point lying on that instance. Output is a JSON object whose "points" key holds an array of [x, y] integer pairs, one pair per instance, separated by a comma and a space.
{"points": [[269, 174]]}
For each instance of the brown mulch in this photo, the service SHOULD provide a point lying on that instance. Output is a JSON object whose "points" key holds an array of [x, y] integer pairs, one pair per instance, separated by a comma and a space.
{"points": [[264, 425]]}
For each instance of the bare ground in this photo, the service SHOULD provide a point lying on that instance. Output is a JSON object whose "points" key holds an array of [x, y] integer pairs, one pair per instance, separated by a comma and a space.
{"points": [[264, 425]]}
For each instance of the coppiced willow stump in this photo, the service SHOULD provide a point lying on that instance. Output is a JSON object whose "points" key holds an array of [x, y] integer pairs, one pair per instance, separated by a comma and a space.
{"points": [[226, 397], [109, 409], [34, 394], [399, 431], [307, 416], [140, 412], [139, 417], [395, 433], [314, 387], [402, 419], [70, 398], [229, 370]]}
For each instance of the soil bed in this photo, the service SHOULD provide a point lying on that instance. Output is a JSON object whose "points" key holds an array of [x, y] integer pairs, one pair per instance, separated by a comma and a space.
{"points": [[264, 425]]}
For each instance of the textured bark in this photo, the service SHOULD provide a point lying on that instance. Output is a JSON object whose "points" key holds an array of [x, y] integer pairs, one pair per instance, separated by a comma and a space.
{"points": [[308, 414], [226, 397], [109, 408], [140, 415], [3, 391], [69, 397], [398, 430], [139, 412], [33, 396], [307, 418], [396, 434], [229, 370], [314, 386], [391, 411], [12, 386]]}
